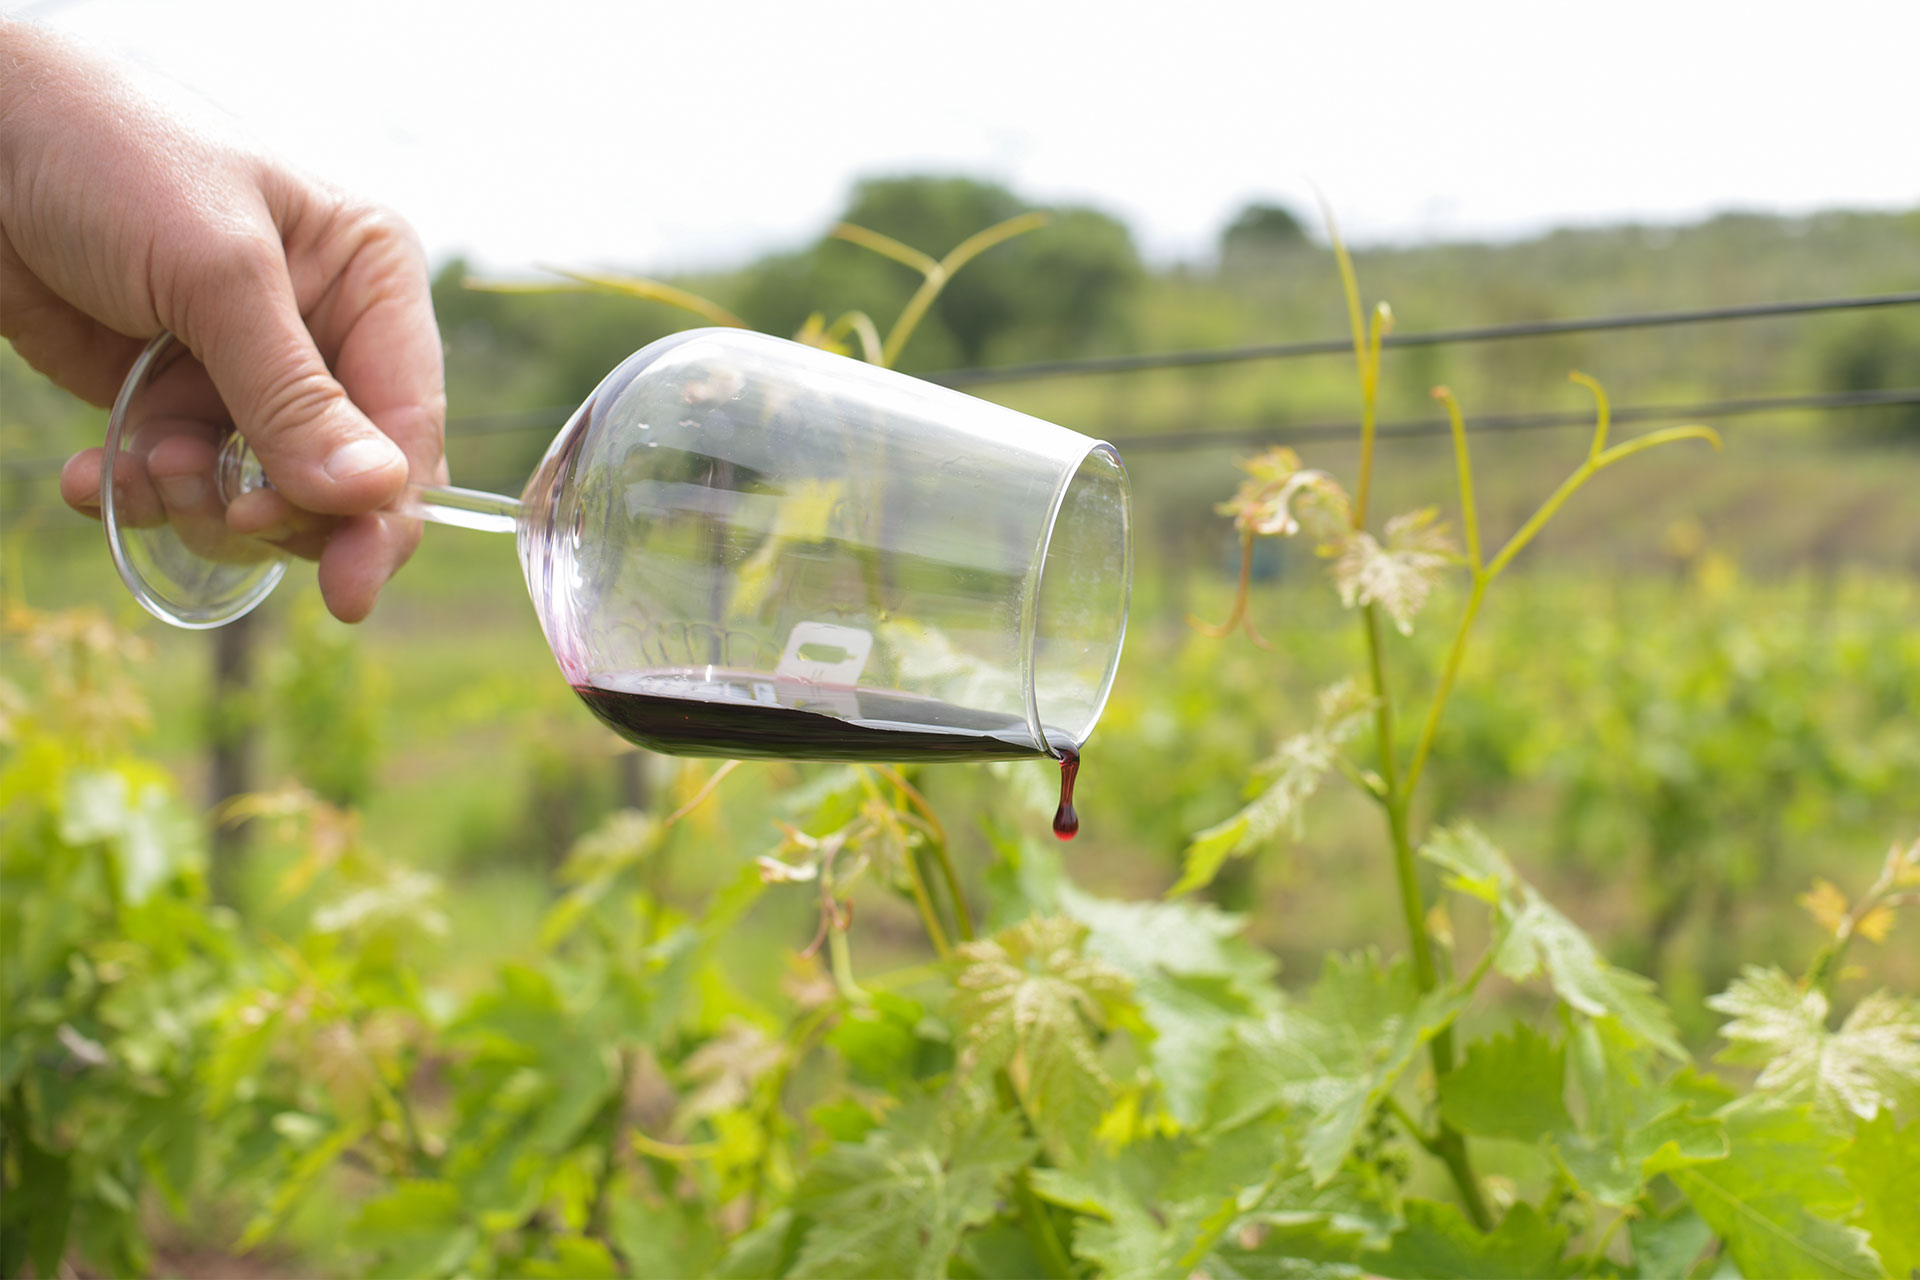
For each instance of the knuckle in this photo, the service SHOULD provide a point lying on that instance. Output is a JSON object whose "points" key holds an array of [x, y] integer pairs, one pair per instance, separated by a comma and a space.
{"points": [[227, 264], [294, 404], [240, 256], [381, 222], [380, 234]]}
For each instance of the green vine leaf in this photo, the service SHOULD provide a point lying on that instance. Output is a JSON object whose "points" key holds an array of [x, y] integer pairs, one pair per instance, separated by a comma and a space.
{"points": [[764, 1251], [1336, 1058], [1539, 936], [1479, 869], [1535, 937], [574, 1258], [1511, 1086], [36, 1214], [657, 1241], [1871, 1062], [417, 1229], [1883, 1164], [1615, 1169], [1124, 1234], [536, 1073], [1029, 1001], [596, 864], [1283, 783], [301, 1176], [1173, 1208], [897, 1204], [1311, 1248], [1193, 976], [1669, 1245], [1437, 1243], [1777, 1200], [1632, 1128], [1400, 575]]}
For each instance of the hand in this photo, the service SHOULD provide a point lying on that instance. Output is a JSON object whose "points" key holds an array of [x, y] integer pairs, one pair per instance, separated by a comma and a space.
{"points": [[310, 310]]}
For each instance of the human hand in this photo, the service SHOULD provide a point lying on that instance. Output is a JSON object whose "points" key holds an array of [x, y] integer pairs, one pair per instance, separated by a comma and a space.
{"points": [[120, 218]]}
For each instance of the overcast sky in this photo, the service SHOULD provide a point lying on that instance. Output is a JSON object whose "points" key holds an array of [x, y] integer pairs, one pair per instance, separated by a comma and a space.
{"points": [[666, 136]]}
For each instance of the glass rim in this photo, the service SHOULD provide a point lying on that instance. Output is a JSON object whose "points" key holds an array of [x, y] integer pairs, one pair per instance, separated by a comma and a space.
{"points": [[1030, 606]]}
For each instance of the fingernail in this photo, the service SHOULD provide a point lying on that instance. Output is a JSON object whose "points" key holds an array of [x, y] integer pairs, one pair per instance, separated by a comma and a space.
{"points": [[181, 492], [362, 457]]}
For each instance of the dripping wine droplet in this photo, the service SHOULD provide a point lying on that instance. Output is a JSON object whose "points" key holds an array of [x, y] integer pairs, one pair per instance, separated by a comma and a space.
{"points": [[1066, 823]]}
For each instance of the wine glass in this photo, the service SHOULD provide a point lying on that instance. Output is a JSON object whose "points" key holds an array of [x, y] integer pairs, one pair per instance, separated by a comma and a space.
{"points": [[737, 546]]}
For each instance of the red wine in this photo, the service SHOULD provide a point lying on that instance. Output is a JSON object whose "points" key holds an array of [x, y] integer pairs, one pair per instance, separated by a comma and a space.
{"points": [[742, 715], [1066, 823]]}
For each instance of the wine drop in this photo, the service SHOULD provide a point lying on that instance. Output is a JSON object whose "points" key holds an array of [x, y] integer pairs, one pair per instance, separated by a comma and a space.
{"points": [[1066, 823]]}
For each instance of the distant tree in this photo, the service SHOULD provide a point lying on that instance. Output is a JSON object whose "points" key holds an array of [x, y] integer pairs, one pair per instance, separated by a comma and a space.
{"points": [[1259, 234], [1072, 281], [932, 214], [1047, 293], [1879, 353]]}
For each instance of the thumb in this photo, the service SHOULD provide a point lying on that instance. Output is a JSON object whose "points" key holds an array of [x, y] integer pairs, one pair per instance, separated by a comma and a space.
{"points": [[319, 450]]}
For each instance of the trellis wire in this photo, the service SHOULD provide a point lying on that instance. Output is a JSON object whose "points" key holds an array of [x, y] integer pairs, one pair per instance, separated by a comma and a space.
{"points": [[514, 421]]}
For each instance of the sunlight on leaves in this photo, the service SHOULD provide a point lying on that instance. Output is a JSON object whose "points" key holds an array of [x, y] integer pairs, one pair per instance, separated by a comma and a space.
{"points": [[1279, 498], [403, 898], [1030, 1001], [724, 1071], [83, 669], [1876, 924], [1871, 1062], [575, 1258], [1825, 903], [1398, 576], [1903, 868]]}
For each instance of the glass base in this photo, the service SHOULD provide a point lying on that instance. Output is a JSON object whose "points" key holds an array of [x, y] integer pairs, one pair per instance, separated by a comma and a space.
{"points": [[161, 497]]}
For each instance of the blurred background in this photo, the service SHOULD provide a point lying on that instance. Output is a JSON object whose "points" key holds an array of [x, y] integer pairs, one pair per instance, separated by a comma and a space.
{"points": [[1700, 689]]}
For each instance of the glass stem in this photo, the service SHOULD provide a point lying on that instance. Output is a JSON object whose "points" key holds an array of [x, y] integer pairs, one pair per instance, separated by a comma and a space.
{"points": [[239, 472], [468, 508]]}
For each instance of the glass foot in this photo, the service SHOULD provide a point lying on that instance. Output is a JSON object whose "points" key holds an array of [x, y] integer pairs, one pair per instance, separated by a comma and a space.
{"points": [[162, 496]]}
